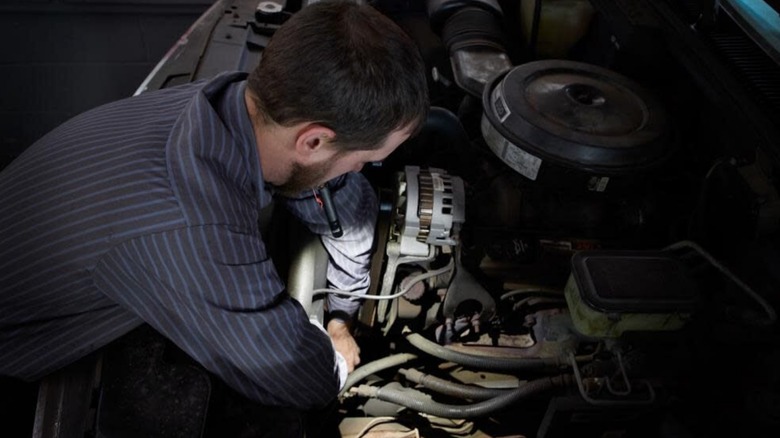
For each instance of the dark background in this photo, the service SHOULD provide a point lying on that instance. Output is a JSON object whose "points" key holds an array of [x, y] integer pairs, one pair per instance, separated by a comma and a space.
{"points": [[59, 58]]}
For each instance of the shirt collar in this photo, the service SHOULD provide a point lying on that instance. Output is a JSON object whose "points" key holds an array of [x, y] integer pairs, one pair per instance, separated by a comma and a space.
{"points": [[231, 107]]}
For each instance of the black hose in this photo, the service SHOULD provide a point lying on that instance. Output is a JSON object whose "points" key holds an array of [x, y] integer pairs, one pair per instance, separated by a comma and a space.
{"points": [[484, 362], [452, 389], [445, 133], [473, 27], [446, 125], [374, 367], [419, 402]]}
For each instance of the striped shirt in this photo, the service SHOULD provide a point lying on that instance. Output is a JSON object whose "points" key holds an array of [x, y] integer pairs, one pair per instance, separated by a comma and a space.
{"points": [[146, 210]]}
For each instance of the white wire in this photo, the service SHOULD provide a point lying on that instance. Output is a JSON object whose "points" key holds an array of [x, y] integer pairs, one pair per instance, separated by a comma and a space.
{"points": [[414, 280]]}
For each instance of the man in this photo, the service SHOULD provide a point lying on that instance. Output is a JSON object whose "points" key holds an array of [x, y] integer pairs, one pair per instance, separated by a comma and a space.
{"points": [[146, 210]]}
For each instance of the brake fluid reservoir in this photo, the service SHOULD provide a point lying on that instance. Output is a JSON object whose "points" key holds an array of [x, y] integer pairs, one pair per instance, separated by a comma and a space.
{"points": [[612, 292]]}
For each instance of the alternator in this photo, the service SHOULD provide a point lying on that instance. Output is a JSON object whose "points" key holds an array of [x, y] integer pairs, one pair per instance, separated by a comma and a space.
{"points": [[434, 208]]}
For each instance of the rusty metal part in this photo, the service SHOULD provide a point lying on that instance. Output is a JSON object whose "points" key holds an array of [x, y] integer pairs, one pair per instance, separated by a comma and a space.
{"points": [[485, 379], [407, 310], [383, 225], [552, 331], [464, 287], [416, 290]]}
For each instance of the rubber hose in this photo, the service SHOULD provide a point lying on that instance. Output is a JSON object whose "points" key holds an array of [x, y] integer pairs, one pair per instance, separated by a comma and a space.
{"points": [[427, 406], [374, 367], [483, 362], [473, 27], [453, 389], [442, 127]]}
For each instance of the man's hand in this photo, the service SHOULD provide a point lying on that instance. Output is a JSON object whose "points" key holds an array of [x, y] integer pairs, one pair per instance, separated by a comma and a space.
{"points": [[344, 343]]}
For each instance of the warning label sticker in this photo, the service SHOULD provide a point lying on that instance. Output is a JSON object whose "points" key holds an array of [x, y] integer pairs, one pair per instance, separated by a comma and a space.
{"points": [[526, 164], [521, 161], [502, 110]]}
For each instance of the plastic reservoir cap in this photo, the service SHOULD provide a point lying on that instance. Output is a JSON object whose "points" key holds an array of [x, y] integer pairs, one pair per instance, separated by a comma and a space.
{"points": [[633, 282]]}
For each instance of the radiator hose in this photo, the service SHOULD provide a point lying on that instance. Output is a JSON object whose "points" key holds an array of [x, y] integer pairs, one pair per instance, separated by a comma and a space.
{"points": [[484, 362], [453, 389], [374, 367], [420, 402]]}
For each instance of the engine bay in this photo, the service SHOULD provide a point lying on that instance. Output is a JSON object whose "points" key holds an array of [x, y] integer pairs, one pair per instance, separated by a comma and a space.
{"points": [[582, 239], [542, 245], [542, 242]]}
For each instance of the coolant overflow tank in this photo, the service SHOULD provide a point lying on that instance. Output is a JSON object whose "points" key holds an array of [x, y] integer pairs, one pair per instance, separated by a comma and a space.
{"points": [[612, 292]]}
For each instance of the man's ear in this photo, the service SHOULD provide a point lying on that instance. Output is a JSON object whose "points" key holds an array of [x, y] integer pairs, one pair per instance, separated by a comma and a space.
{"points": [[312, 140]]}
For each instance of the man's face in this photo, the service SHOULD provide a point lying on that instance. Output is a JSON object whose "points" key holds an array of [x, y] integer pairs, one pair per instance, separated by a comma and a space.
{"points": [[335, 162]]}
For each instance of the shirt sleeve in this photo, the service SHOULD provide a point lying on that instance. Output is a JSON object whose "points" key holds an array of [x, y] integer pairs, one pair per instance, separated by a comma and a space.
{"points": [[215, 293], [349, 259]]}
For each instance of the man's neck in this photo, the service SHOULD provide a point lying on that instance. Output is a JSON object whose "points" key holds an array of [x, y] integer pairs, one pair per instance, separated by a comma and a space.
{"points": [[270, 142]]}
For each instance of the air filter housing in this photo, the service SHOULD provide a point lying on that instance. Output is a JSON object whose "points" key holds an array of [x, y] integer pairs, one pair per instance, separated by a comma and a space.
{"points": [[569, 123]]}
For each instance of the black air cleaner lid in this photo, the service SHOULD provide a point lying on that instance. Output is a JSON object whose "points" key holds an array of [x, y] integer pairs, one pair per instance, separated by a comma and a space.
{"points": [[578, 115], [633, 282]]}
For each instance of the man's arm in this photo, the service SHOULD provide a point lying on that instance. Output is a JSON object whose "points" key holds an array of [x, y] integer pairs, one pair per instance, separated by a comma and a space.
{"points": [[214, 292], [349, 255]]}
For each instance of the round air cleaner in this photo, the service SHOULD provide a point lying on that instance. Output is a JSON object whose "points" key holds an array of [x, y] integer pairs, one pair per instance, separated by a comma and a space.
{"points": [[571, 123]]}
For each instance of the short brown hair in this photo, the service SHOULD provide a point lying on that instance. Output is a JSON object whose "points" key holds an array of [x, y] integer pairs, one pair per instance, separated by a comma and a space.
{"points": [[346, 66]]}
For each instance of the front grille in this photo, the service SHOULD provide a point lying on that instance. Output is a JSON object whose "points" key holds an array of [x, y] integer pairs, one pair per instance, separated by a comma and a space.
{"points": [[747, 63], [753, 68]]}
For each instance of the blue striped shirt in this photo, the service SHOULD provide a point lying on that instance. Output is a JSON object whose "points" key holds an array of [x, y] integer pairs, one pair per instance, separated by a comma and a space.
{"points": [[146, 210]]}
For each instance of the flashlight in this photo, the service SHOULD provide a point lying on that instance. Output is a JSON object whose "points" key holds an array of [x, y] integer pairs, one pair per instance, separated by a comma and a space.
{"points": [[326, 202]]}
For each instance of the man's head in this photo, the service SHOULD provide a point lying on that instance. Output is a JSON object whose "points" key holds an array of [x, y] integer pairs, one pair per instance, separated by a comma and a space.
{"points": [[345, 67], [314, 166]]}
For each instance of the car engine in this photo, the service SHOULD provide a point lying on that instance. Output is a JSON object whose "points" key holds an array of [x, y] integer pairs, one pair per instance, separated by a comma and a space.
{"points": [[581, 241], [542, 246]]}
